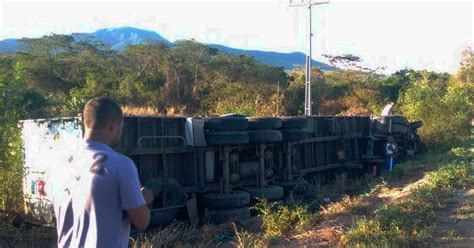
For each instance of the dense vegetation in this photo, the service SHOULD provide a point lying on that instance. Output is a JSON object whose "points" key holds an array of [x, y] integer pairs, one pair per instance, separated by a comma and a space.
{"points": [[55, 75]]}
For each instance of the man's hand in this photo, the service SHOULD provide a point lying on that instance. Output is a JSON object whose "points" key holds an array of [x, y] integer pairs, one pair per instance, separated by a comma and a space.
{"points": [[147, 194]]}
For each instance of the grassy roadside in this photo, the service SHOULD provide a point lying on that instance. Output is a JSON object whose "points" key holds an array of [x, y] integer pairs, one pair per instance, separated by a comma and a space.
{"points": [[410, 220]]}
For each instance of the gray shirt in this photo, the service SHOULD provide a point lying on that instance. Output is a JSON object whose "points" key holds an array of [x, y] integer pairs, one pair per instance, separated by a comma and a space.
{"points": [[387, 110], [91, 195]]}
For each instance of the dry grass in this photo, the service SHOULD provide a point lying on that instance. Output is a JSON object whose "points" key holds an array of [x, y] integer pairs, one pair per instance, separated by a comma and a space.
{"points": [[452, 234], [174, 235], [241, 233], [176, 111], [140, 110], [353, 205], [466, 211], [153, 111], [245, 239]]}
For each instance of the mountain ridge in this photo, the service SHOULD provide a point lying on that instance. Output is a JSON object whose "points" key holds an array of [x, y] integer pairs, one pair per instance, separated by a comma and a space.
{"points": [[118, 38]]}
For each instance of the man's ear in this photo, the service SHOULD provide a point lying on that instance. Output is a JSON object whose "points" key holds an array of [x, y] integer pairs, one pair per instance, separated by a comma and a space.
{"points": [[115, 125]]}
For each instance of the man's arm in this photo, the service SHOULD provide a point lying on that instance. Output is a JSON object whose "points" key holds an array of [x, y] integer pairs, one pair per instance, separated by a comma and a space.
{"points": [[133, 198], [140, 217]]}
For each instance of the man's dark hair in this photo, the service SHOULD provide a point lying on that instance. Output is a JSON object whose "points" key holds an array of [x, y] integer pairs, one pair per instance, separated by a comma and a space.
{"points": [[99, 111]]}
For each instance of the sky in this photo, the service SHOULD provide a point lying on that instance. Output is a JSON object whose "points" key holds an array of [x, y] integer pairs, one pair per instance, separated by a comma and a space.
{"points": [[393, 34]]}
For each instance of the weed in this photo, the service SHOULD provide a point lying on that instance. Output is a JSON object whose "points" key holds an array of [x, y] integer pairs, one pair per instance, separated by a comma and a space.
{"points": [[398, 172], [245, 239], [453, 235], [174, 235], [283, 220], [347, 204]]}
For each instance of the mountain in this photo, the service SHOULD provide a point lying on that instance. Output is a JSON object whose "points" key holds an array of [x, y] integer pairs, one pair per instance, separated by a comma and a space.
{"points": [[119, 38], [9, 46], [286, 60]]}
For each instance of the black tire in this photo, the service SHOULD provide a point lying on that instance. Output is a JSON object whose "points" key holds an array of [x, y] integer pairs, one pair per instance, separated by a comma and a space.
{"points": [[396, 128], [380, 127], [293, 135], [227, 138], [265, 136], [223, 215], [416, 124], [294, 122], [226, 123], [397, 119], [234, 199], [259, 123], [233, 115], [270, 192], [175, 196]]}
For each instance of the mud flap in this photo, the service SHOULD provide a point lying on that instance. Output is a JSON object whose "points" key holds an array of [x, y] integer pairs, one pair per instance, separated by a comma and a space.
{"points": [[193, 213]]}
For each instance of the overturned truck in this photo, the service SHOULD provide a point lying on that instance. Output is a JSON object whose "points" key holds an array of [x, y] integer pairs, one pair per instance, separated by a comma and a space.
{"points": [[216, 166]]}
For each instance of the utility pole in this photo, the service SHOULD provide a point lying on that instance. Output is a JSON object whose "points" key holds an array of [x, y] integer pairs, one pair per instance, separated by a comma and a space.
{"points": [[307, 90]]}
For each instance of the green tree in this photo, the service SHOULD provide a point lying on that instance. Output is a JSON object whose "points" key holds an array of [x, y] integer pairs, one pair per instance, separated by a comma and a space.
{"points": [[466, 69], [11, 171], [446, 115]]}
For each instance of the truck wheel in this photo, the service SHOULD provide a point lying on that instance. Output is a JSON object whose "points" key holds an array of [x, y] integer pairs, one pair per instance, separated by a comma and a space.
{"points": [[226, 123], [396, 119], [294, 134], [396, 128], [265, 136], [227, 138], [380, 127], [175, 196], [233, 199], [258, 123], [416, 124], [270, 192], [294, 122], [223, 215]]}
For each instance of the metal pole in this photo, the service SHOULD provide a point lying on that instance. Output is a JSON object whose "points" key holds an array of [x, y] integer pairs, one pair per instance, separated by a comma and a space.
{"points": [[307, 92], [307, 110]]}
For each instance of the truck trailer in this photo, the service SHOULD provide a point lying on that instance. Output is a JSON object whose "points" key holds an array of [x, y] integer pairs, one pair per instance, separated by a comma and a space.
{"points": [[214, 167]]}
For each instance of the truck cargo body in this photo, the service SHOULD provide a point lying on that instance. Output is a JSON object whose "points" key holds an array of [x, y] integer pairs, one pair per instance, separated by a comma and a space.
{"points": [[176, 148]]}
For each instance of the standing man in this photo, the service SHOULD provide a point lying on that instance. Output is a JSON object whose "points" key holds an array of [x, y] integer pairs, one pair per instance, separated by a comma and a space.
{"points": [[98, 193], [390, 151], [388, 109]]}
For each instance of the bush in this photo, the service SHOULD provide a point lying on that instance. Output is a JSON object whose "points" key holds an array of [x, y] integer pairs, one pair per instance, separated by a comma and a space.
{"points": [[445, 113]]}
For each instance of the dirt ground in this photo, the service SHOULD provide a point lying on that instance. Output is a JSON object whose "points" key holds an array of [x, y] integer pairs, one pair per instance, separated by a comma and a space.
{"points": [[455, 226], [25, 235], [455, 222]]}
